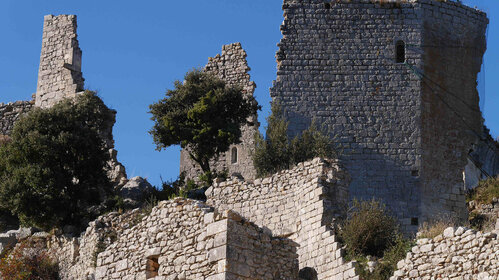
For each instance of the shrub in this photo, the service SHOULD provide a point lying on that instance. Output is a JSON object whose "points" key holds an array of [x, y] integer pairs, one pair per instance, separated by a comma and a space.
{"points": [[368, 230], [25, 263], [53, 170], [276, 152], [386, 266]]}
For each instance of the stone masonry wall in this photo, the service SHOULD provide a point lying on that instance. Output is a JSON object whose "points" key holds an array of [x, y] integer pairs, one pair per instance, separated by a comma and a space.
{"points": [[453, 46], [188, 240], [59, 75], [337, 64], [10, 113], [232, 67], [456, 254], [300, 204]]}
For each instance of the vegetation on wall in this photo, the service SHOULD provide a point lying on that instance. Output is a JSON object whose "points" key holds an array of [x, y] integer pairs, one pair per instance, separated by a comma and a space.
{"points": [[52, 172], [277, 152], [371, 234], [203, 115]]}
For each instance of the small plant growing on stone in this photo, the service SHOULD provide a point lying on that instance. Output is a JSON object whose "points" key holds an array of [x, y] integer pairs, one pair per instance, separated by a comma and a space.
{"points": [[435, 227]]}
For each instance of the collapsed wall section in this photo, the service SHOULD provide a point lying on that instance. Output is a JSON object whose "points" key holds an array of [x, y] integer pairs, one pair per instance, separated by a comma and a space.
{"points": [[300, 204], [231, 66], [453, 46], [59, 75], [456, 254], [10, 113]]}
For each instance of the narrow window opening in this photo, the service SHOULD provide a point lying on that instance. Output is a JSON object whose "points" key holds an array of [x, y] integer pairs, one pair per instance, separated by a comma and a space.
{"points": [[327, 5], [400, 51], [233, 155], [307, 273], [414, 221], [152, 267], [415, 173]]}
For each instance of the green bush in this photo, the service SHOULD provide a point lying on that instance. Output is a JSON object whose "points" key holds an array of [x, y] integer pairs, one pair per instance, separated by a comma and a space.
{"points": [[369, 230], [276, 152], [53, 170], [387, 265]]}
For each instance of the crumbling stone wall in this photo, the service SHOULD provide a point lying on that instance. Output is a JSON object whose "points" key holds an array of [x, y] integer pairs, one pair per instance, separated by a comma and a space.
{"points": [[77, 256], [453, 46], [456, 254], [231, 66], [337, 63], [59, 75], [300, 204], [10, 113], [186, 239]]}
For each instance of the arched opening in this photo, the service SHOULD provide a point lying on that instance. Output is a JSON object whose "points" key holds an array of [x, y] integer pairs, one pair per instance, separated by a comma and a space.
{"points": [[400, 51], [307, 273], [233, 158]]}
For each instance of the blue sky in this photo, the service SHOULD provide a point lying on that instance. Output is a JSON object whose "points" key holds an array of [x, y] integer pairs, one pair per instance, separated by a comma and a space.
{"points": [[134, 50]]}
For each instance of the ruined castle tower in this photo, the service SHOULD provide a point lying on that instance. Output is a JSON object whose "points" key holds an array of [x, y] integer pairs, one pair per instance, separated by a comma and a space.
{"points": [[59, 75], [231, 66], [395, 83]]}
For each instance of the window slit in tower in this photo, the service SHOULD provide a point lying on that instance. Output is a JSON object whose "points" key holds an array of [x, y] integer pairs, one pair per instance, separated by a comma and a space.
{"points": [[234, 155], [400, 51]]}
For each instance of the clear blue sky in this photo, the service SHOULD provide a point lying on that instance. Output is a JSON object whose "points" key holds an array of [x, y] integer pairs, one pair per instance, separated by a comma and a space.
{"points": [[134, 50]]}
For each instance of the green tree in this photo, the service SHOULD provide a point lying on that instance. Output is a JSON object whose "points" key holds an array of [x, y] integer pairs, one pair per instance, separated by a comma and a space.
{"points": [[272, 153], [203, 115], [52, 171], [276, 152]]}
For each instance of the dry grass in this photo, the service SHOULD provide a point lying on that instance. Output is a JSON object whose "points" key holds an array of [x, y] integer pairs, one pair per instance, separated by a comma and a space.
{"points": [[433, 229], [486, 191]]}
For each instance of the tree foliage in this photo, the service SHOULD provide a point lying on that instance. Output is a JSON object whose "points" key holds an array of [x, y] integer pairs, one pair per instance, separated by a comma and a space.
{"points": [[203, 115], [52, 171], [277, 152]]}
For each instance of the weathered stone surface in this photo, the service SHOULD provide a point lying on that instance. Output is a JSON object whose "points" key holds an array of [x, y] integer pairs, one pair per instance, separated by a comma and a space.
{"points": [[136, 190], [470, 252], [300, 204], [10, 113]]}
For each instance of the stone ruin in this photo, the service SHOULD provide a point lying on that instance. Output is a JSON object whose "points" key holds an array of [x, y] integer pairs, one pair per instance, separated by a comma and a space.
{"points": [[373, 73], [232, 68]]}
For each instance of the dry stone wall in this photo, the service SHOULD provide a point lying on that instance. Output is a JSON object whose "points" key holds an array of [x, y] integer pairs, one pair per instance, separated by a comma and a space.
{"points": [[456, 254], [59, 75], [10, 113], [231, 66], [185, 239], [300, 204], [337, 63]]}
